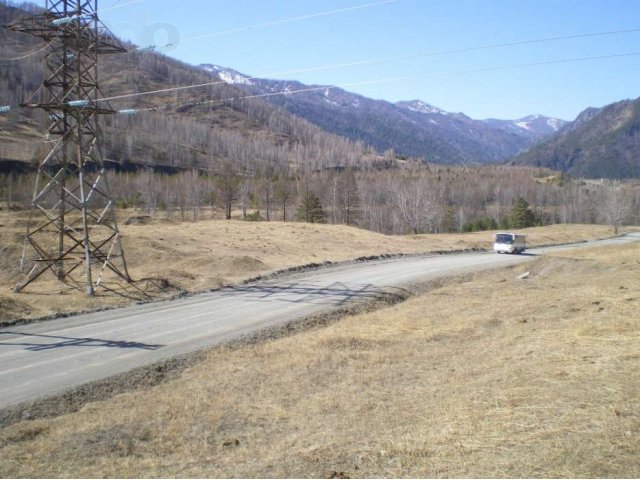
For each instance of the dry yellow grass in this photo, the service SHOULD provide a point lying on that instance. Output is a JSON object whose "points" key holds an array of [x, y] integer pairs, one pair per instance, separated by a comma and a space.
{"points": [[493, 377], [200, 256]]}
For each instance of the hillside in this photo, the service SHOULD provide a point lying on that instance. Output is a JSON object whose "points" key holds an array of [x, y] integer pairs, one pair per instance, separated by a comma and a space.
{"points": [[179, 134], [412, 128], [600, 143]]}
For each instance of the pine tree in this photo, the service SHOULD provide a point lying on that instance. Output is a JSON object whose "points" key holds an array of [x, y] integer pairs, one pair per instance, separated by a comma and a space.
{"points": [[521, 215], [449, 221], [310, 210]]}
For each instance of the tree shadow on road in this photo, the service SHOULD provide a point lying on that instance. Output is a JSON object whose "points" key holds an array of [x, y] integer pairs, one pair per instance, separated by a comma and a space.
{"points": [[55, 341], [335, 294]]}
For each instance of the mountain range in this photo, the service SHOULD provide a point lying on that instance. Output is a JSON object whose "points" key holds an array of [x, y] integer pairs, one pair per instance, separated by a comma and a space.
{"points": [[293, 123], [411, 128]]}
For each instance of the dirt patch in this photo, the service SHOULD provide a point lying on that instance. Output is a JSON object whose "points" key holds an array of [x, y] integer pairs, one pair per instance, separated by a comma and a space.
{"points": [[247, 264], [138, 220]]}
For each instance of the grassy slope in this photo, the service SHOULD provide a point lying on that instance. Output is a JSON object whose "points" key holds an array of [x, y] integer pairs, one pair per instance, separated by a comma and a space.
{"points": [[491, 377], [204, 255]]}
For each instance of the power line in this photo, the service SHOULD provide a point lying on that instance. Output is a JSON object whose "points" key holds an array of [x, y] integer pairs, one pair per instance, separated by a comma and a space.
{"points": [[289, 20], [381, 60], [383, 80], [262, 25], [113, 7], [7, 108], [226, 32], [452, 51], [22, 57], [393, 58]]}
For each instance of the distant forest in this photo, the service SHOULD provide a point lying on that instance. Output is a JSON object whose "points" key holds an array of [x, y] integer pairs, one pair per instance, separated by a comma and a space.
{"points": [[398, 199]]}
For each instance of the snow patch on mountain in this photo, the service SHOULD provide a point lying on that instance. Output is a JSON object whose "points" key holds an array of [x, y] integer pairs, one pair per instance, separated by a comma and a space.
{"points": [[227, 75], [421, 107], [234, 79], [555, 123], [331, 102]]}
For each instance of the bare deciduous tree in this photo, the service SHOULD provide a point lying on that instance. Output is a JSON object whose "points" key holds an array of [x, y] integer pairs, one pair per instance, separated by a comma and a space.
{"points": [[418, 204], [615, 206], [267, 193], [245, 192], [228, 182], [284, 192]]}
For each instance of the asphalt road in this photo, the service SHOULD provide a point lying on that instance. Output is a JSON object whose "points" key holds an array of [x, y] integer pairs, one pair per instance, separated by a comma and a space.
{"points": [[46, 358]]}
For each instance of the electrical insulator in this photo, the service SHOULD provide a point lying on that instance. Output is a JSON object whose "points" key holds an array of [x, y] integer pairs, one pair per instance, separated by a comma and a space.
{"points": [[78, 103], [64, 20]]}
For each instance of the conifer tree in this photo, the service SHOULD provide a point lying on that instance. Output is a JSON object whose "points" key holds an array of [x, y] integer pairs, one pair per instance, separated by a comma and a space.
{"points": [[521, 215], [310, 210]]}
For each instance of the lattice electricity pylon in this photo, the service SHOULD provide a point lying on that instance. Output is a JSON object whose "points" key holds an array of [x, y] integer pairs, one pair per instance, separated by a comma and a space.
{"points": [[75, 234]]}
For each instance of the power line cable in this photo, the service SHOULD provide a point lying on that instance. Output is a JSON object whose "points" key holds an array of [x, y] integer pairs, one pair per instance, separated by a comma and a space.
{"points": [[262, 25], [289, 20], [113, 7], [383, 80], [386, 59], [380, 60], [27, 55], [7, 108], [452, 51]]}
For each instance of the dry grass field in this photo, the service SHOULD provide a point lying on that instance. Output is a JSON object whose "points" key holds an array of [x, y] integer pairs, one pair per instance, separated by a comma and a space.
{"points": [[168, 257], [491, 377]]}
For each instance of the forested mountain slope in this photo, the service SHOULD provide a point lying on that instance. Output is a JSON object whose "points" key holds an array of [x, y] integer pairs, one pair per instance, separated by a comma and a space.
{"points": [[412, 128], [601, 143], [179, 134]]}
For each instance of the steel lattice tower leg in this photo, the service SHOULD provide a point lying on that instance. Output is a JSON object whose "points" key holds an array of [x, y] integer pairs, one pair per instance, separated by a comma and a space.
{"points": [[72, 230]]}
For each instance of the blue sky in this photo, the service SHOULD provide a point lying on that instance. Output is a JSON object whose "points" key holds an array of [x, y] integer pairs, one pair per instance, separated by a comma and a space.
{"points": [[410, 27]]}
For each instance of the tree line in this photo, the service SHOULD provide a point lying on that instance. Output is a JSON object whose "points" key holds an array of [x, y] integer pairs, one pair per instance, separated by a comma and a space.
{"points": [[410, 198]]}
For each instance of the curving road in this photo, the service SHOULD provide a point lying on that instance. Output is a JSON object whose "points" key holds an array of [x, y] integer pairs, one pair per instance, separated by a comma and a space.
{"points": [[46, 358]]}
